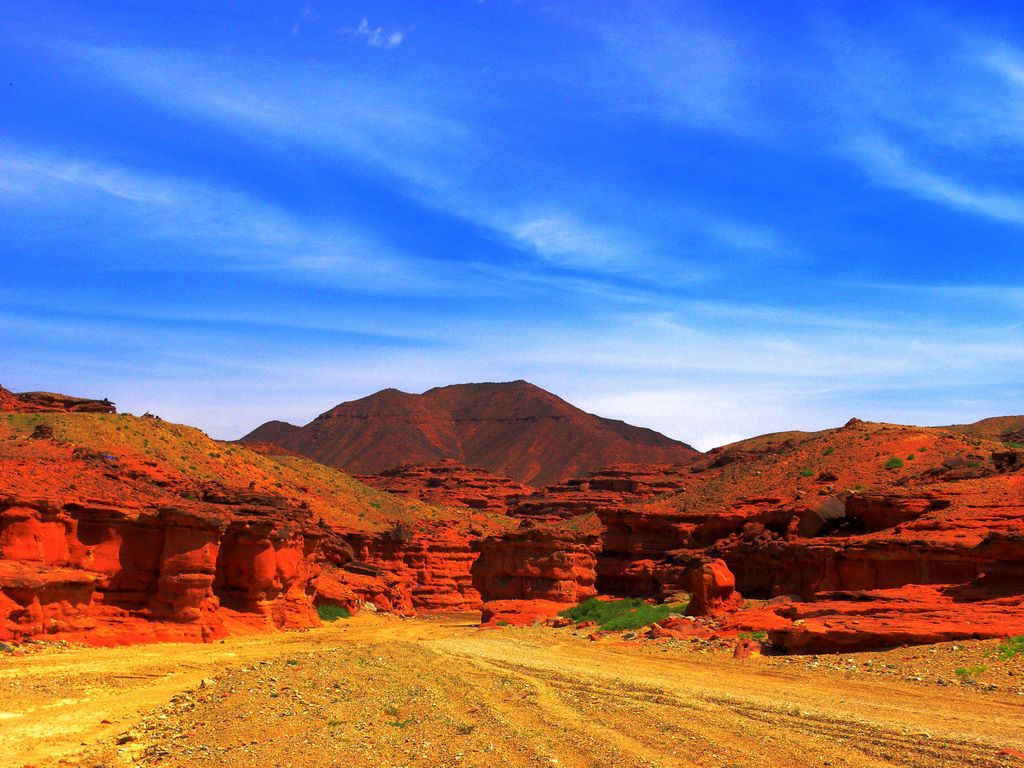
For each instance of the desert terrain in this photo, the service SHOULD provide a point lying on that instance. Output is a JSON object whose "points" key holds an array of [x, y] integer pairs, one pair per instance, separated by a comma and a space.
{"points": [[385, 691], [848, 597]]}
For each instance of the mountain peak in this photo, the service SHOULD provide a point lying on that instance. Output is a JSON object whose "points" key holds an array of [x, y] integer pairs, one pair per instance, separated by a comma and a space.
{"points": [[514, 427]]}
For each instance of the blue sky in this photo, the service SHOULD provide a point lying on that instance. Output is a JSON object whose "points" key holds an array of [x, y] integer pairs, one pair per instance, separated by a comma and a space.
{"points": [[714, 221]]}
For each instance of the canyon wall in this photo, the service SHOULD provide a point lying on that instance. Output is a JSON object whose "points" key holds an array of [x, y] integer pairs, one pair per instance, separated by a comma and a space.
{"points": [[93, 571]]}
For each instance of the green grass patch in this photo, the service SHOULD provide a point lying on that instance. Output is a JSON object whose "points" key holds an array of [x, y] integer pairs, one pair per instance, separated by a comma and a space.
{"points": [[971, 673], [760, 635], [828, 451], [1011, 647], [333, 612], [894, 463], [615, 615], [1013, 444], [806, 472]]}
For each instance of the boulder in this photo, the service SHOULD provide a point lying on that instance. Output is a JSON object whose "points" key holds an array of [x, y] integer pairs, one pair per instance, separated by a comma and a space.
{"points": [[826, 514], [712, 587]]}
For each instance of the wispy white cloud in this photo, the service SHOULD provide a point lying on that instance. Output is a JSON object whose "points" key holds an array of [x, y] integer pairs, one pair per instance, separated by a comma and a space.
{"points": [[238, 231], [378, 37], [977, 295], [421, 140], [889, 166], [1007, 62], [955, 97], [700, 379], [689, 72], [306, 15], [567, 241], [380, 124]]}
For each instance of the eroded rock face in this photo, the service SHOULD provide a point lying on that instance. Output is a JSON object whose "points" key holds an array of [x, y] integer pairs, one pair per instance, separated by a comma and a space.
{"points": [[542, 566], [839, 546], [268, 570], [712, 587], [851, 548], [51, 402], [433, 567], [105, 574], [449, 483]]}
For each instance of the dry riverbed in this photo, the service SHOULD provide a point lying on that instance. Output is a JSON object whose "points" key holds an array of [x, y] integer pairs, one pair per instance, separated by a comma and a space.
{"points": [[382, 691]]}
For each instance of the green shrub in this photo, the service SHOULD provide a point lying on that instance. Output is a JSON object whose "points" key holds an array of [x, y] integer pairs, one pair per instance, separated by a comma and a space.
{"points": [[615, 615], [970, 673], [1012, 444], [806, 472], [828, 451], [332, 612], [1011, 647], [910, 457], [760, 635], [894, 463]]}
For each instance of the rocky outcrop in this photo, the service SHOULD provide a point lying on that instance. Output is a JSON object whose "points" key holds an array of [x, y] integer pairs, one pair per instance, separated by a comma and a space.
{"points": [[50, 402], [432, 566], [836, 534], [512, 428], [712, 587], [103, 573], [542, 568], [449, 483], [610, 489]]}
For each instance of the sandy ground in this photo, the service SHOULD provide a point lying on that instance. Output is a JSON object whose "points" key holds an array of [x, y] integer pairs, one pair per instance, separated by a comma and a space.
{"points": [[381, 691]]}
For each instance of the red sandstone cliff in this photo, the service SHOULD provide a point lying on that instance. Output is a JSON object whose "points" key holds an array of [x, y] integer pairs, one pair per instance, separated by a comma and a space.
{"points": [[119, 529], [856, 549], [509, 428], [450, 483]]}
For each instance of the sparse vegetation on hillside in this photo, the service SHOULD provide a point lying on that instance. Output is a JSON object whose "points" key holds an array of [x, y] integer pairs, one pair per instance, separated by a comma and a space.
{"points": [[972, 672], [188, 455], [1011, 647]]}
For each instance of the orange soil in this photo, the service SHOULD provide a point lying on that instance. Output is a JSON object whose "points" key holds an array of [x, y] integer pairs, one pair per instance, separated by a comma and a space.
{"points": [[381, 691]]}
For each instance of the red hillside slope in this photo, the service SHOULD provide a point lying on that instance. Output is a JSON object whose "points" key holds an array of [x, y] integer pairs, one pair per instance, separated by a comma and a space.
{"points": [[514, 428]]}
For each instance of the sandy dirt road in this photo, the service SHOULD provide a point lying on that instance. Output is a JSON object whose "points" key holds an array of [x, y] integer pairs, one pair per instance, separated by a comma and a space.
{"points": [[380, 691]]}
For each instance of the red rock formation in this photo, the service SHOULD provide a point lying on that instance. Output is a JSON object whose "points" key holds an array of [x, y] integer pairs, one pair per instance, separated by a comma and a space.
{"points": [[111, 530], [9, 402], [450, 483], [543, 569], [910, 615], [50, 402], [609, 488], [110, 549], [105, 574], [712, 587], [432, 566], [511, 428], [855, 538]]}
